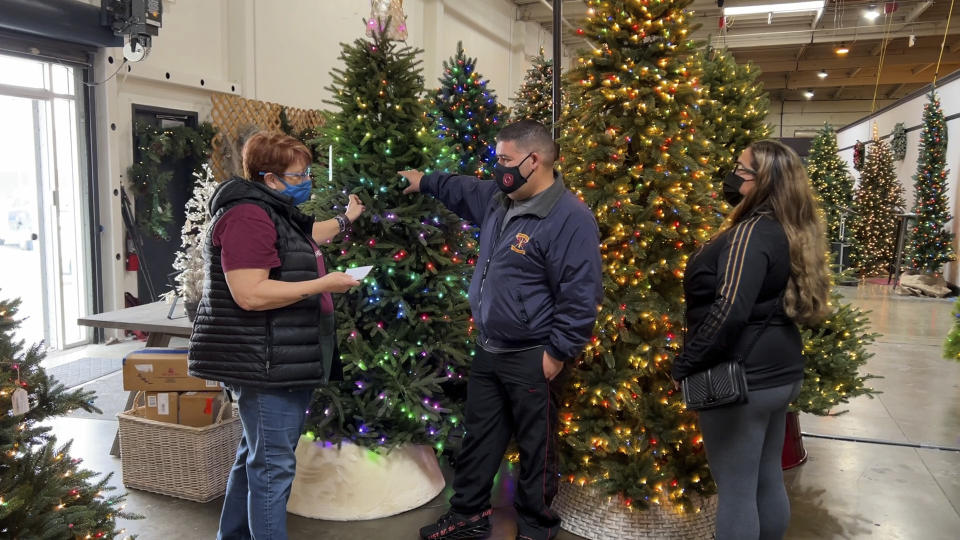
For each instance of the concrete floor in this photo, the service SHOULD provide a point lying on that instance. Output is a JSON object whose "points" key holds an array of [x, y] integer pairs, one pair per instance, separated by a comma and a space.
{"points": [[845, 490]]}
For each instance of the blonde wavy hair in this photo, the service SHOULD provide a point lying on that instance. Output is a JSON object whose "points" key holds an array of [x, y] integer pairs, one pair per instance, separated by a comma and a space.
{"points": [[781, 187]]}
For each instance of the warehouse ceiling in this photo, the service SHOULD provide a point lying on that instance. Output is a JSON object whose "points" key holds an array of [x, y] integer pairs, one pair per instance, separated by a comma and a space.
{"points": [[797, 52]]}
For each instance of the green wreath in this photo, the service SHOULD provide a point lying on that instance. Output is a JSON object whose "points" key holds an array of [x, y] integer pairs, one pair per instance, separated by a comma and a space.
{"points": [[859, 152], [898, 142], [148, 181], [308, 136]]}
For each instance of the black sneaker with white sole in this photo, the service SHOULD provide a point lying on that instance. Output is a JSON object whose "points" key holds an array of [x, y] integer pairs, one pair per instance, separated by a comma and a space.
{"points": [[454, 526]]}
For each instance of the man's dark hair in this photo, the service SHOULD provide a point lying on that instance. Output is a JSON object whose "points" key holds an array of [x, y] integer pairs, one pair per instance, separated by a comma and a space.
{"points": [[530, 136]]}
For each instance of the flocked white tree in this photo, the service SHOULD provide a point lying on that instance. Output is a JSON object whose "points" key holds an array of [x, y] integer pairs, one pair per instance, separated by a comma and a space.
{"points": [[189, 260]]}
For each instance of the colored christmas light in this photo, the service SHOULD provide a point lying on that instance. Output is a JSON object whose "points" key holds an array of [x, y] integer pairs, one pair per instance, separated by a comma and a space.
{"points": [[387, 372], [930, 245], [467, 115]]}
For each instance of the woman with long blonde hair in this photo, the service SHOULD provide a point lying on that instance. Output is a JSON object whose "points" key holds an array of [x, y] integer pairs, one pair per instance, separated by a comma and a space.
{"points": [[745, 291]]}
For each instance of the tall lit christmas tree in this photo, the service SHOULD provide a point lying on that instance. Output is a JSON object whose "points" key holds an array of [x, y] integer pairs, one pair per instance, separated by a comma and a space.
{"points": [[534, 98], [467, 115], [44, 493], [403, 335], [878, 200], [734, 115], [634, 151], [831, 179], [931, 245]]}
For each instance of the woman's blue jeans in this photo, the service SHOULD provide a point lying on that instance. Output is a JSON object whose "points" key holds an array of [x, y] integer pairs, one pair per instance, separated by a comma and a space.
{"points": [[255, 505]]}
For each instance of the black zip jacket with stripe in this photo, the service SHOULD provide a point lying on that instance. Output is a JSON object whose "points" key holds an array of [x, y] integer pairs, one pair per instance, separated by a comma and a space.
{"points": [[730, 286]]}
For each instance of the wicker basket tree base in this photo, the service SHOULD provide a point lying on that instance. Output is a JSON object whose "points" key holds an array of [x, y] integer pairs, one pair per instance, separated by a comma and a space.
{"points": [[591, 514], [353, 483]]}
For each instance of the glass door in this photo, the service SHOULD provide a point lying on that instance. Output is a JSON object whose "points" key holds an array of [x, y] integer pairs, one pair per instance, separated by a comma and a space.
{"points": [[21, 273], [43, 226]]}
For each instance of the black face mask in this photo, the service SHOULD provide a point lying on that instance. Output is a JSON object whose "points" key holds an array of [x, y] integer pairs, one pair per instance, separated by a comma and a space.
{"points": [[509, 179], [731, 189]]}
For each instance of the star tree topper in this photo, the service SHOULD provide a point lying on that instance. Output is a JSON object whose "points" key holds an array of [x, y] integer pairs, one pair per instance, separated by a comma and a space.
{"points": [[380, 11]]}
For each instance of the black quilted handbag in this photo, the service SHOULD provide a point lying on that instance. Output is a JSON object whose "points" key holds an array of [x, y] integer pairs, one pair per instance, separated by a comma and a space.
{"points": [[724, 383]]}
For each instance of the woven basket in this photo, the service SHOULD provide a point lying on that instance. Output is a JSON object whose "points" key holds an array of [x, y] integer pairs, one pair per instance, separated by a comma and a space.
{"points": [[180, 461], [591, 514]]}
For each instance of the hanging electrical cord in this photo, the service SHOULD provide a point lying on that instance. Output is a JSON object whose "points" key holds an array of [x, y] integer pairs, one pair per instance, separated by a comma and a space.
{"points": [[926, 446], [124, 63], [883, 54], [943, 44]]}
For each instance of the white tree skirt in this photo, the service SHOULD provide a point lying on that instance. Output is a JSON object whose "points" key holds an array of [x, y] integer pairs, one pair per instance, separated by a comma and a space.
{"points": [[353, 483]]}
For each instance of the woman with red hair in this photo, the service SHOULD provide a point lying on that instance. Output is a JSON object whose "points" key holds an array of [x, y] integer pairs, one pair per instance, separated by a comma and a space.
{"points": [[265, 325]]}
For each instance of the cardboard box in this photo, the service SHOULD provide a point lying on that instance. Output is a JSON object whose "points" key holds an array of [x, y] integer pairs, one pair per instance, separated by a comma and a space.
{"points": [[158, 370], [162, 407], [199, 409]]}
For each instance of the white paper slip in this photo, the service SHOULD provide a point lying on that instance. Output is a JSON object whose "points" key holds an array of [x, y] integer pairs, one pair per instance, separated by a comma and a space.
{"points": [[163, 404], [21, 402], [359, 273]]}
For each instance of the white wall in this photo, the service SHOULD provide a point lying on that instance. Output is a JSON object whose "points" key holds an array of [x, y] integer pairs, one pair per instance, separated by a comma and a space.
{"points": [[791, 116], [296, 47], [302, 41], [911, 114], [501, 45], [280, 51]]}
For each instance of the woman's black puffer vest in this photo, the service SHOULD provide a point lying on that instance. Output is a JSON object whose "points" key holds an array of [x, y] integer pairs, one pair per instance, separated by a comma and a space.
{"points": [[275, 348]]}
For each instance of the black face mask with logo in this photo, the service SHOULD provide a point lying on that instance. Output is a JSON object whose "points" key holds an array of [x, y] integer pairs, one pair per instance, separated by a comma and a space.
{"points": [[509, 179], [731, 189]]}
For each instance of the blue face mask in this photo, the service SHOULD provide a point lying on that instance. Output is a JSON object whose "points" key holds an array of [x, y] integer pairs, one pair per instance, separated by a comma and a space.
{"points": [[300, 192]]}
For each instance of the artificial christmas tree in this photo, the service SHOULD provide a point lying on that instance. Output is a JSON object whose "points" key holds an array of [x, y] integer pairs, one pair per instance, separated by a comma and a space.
{"points": [[735, 111], [951, 347], [403, 335], [43, 491], [189, 261], [467, 115], [634, 151], [534, 98], [931, 245], [834, 351], [831, 180], [878, 201]]}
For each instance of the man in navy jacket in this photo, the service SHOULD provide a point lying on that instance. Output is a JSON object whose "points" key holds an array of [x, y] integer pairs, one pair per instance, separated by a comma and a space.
{"points": [[534, 298]]}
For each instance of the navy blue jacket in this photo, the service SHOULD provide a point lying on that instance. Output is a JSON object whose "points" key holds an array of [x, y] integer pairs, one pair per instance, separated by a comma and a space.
{"points": [[539, 281]]}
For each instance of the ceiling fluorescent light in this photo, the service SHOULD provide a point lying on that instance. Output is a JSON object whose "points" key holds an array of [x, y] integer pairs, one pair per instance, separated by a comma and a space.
{"points": [[871, 14], [792, 7], [808, 94]]}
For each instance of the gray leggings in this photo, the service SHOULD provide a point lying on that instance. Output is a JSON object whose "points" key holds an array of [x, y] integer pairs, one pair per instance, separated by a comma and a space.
{"points": [[744, 446]]}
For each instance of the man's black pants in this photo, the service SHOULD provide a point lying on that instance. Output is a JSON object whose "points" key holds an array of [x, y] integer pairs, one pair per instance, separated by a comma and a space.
{"points": [[508, 394]]}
